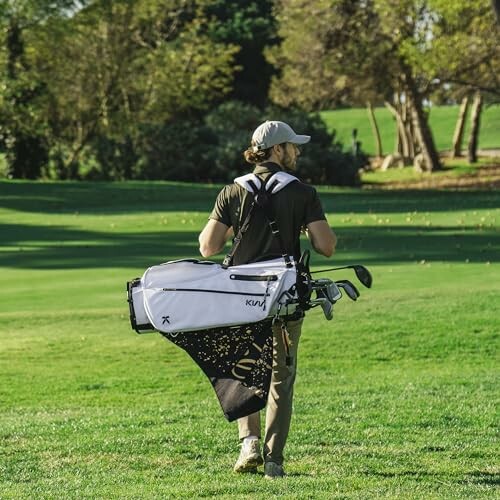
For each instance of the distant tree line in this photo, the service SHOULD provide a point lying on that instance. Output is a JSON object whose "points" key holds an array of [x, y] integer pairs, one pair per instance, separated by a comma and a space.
{"points": [[171, 89]]}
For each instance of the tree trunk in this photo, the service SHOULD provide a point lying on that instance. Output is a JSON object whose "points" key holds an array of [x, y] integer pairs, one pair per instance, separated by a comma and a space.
{"points": [[421, 127], [475, 122], [406, 139], [15, 48], [496, 9], [402, 140], [410, 136], [459, 128], [375, 130]]}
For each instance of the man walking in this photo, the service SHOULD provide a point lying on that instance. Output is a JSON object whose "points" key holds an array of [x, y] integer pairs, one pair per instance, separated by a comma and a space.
{"points": [[295, 208]]}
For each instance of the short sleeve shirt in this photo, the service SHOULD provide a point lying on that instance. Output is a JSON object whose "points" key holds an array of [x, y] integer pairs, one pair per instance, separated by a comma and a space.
{"points": [[294, 207]]}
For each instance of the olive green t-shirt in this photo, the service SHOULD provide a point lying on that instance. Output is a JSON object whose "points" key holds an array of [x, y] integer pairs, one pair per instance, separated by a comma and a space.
{"points": [[293, 207]]}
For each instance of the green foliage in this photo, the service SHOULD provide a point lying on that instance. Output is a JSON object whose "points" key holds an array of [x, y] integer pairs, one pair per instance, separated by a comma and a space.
{"points": [[231, 125], [333, 55], [174, 151], [81, 81], [212, 149], [358, 51], [111, 68], [251, 25], [22, 125]]}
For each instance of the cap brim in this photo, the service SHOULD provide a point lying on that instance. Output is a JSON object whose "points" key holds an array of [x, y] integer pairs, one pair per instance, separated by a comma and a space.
{"points": [[301, 139]]}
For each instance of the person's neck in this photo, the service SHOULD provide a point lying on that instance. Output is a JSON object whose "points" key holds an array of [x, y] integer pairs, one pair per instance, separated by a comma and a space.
{"points": [[273, 158]]}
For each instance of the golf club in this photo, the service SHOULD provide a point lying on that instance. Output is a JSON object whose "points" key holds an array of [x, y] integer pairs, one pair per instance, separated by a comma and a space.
{"points": [[327, 307], [328, 288], [351, 291], [362, 273]]}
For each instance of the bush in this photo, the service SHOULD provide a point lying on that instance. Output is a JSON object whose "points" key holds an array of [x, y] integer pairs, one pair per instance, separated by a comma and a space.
{"points": [[175, 151], [321, 162], [113, 159], [231, 125], [211, 148]]}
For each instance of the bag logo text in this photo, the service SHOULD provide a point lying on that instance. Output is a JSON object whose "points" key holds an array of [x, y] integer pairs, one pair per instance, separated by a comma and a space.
{"points": [[255, 303]]}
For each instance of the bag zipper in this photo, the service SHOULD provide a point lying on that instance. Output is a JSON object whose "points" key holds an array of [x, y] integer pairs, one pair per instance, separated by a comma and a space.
{"points": [[214, 291], [247, 277]]}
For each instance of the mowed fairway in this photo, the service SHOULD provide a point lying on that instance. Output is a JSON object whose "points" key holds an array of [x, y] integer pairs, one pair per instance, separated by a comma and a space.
{"points": [[395, 397]]}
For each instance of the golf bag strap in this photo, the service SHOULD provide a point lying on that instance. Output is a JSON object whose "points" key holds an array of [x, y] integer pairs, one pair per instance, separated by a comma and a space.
{"points": [[228, 259], [269, 214], [262, 198]]}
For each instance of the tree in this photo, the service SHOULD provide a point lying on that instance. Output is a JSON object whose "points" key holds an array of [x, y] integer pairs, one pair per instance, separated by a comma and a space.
{"points": [[397, 51], [22, 126], [114, 67], [352, 51], [249, 24]]}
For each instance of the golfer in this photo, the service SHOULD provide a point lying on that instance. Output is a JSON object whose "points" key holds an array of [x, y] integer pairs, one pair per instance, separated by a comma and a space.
{"points": [[296, 208]]}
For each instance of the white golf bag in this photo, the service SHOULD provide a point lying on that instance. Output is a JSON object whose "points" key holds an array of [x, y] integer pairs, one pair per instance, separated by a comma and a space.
{"points": [[191, 295]]}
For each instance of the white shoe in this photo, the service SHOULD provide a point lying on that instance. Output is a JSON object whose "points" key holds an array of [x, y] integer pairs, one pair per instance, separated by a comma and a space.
{"points": [[250, 457], [273, 470]]}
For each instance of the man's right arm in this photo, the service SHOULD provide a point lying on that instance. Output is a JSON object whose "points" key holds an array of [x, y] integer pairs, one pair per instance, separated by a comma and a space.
{"points": [[322, 238], [213, 237]]}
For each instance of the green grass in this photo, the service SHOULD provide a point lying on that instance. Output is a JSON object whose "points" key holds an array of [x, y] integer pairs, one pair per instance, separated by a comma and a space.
{"points": [[442, 120], [394, 398]]}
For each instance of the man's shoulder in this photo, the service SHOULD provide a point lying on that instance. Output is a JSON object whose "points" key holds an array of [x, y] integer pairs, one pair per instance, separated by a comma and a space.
{"points": [[301, 189], [296, 188]]}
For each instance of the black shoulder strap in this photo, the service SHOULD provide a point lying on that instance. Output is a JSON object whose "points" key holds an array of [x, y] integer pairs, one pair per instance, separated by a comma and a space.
{"points": [[262, 199], [271, 220], [228, 259]]}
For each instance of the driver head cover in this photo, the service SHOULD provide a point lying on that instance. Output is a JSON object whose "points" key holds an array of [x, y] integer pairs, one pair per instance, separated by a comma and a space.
{"points": [[270, 133]]}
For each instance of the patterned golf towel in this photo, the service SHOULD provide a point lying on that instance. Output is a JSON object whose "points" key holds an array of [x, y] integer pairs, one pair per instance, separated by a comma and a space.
{"points": [[238, 362]]}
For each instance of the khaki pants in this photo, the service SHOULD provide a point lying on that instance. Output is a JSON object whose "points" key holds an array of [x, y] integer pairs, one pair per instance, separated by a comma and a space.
{"points": [[279, 403]]}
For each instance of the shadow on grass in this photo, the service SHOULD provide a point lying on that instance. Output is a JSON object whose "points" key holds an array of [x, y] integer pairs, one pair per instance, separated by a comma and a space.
{"points": [[128, 197], [106, 197], [61, 247], [478, 477], [483, 477]]}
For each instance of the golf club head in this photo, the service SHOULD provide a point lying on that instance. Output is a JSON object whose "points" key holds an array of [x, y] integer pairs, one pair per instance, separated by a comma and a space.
{"points": [[351, 291], [363, 275], [327, 307], [328, 289]]}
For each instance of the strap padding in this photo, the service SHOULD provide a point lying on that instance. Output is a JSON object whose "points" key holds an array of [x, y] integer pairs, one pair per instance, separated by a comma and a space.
{"points": [[275, 183]]}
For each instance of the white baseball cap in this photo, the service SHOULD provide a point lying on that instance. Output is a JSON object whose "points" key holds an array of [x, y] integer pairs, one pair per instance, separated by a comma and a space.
{"points": [[270, 133]]}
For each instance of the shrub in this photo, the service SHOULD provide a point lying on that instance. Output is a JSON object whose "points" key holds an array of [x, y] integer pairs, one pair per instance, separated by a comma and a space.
{"points": [[174, 151], [210, 149], [230, 125], [322, 161]]}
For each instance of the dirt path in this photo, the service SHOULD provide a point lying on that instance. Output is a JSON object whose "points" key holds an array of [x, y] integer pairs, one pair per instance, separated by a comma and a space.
{"points": [[483, 178]]}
